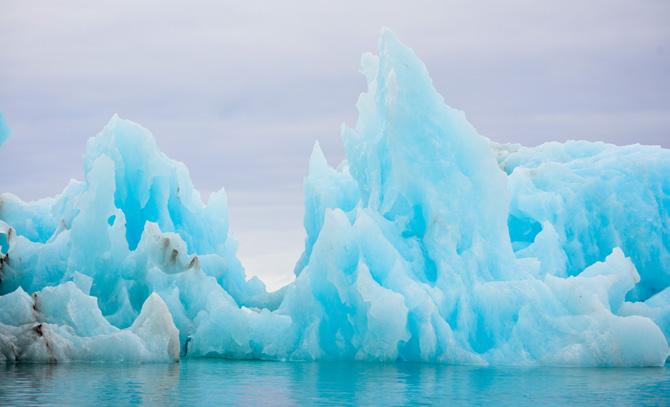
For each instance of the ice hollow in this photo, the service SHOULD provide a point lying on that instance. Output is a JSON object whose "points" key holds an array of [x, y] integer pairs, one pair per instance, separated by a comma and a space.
{"points": [[428, 243]]}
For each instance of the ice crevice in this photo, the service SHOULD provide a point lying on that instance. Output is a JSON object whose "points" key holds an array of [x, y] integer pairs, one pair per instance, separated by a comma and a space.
{"points": [[429, 242]]}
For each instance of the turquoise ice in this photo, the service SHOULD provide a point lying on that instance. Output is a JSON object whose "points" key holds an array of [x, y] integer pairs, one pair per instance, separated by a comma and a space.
{"points": [[428, 243], [4, 130]]}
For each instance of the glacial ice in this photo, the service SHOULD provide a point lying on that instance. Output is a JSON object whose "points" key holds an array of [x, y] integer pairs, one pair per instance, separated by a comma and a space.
{"points": [[428, 243], [4, 130], [62, 323]]}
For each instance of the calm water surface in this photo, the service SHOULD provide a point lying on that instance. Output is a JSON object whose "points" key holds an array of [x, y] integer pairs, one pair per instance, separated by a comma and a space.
{"points": [[220, 382]]}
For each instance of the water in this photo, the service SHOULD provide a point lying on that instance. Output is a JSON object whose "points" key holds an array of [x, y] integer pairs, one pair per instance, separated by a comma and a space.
{"points": [[220, 382]]}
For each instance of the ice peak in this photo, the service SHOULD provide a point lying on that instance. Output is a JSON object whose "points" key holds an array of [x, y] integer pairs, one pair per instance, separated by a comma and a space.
{"points": [[317, 160]]}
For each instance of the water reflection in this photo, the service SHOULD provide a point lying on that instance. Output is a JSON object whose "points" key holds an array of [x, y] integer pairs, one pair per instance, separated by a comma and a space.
{"points": [[220, 382]]}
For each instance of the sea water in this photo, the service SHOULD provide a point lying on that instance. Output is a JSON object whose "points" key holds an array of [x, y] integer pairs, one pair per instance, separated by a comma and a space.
{"points": [[221, 382]]}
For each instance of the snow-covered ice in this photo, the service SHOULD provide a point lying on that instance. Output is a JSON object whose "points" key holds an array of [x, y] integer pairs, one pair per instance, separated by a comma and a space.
{"points": [[428, 243]]}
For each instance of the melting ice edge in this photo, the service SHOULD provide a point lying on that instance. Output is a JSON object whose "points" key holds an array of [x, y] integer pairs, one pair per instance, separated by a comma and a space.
{"points": [[428, 243]]}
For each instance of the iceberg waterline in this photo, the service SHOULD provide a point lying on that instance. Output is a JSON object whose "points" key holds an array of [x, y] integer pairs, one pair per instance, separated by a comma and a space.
{"points": [[428, 243]]}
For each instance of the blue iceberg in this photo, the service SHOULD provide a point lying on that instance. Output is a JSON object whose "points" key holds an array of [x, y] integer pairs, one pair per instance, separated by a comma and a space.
{"points": [[428, 243], [4, 130]]}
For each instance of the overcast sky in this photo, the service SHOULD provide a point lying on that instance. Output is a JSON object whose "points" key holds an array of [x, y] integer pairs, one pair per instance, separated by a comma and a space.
{"points": [[239, 91]]}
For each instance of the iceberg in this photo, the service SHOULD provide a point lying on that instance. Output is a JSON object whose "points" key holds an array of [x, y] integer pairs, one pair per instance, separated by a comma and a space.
{"points": [[62, 323], [429, 242], [4, 130]]}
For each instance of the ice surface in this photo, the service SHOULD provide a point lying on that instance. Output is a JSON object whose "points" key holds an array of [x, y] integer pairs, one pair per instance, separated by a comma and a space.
{"points": [[4, 130], [429, 243], [63, 324]]}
